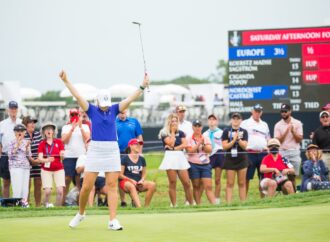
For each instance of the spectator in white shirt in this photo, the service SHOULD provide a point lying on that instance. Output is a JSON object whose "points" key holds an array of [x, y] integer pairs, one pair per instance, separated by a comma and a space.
{"points": [[259, 134], [74, 136], [184, 125], [7, 135]]}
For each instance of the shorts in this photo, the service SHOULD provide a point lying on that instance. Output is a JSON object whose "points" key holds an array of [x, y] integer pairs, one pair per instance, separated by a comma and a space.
{"points": [[217, 159], [264, 187], [70, 166], [197, 171], [122, 184], [293, 156], [4, 169], [35, 171], [99, 183], [254, 164], [47, 178]]}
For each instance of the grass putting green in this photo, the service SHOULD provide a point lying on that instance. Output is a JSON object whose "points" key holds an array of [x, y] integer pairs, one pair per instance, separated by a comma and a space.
{"points": [[304, 223]]}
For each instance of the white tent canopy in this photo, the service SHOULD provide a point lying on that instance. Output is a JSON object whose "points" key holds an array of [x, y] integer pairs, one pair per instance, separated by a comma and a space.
{"points": [[122, 90], [87, 91], [28, 93], [169, 89]]}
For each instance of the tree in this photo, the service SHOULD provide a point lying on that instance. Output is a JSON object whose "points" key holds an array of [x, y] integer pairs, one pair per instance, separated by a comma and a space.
{"points": [[221, 73]]}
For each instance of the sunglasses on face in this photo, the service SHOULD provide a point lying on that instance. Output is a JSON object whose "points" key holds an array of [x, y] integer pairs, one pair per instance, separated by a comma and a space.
{"points": [[273, 146], [324, 116], [74, 114], [284, 111]]}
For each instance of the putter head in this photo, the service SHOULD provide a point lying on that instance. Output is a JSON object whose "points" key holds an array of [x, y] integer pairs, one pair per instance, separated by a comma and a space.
{"points": [[136, 23]]}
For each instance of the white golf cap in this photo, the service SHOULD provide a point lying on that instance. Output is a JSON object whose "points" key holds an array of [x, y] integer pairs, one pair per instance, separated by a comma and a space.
{"points": [[104, 98]]}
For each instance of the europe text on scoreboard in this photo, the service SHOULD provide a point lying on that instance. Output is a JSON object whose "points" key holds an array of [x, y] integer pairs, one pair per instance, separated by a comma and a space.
{"points": [[276, 66]]}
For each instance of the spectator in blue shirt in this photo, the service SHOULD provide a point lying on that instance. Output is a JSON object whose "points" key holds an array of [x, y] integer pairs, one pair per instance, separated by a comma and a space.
{"points": [[127, 128]]}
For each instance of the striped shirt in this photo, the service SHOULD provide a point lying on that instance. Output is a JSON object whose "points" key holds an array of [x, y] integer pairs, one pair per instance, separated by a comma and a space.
{"points": [[35, 140]]}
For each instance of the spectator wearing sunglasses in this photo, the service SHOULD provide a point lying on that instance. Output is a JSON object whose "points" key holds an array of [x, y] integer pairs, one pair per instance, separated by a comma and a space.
{"points": [[322, 137], [289, 132], [74, 136]]}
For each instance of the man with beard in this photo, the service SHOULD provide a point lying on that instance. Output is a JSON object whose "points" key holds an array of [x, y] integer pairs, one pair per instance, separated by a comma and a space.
{"points": [[289, 132]]}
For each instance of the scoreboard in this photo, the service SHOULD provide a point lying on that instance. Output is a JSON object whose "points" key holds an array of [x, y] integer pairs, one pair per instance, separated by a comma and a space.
{"points": [[276, 66]]}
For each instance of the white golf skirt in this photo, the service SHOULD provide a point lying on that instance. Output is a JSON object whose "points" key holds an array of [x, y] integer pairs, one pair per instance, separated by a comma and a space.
{"points": [[103, 156], [174, 160]]}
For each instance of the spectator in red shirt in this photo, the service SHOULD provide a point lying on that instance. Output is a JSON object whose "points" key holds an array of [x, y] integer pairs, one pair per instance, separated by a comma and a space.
{"points": [[276, 170], [50, 155]]}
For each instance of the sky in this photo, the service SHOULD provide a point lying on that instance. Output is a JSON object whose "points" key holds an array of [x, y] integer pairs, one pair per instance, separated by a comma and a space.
{"points": [[96, 42]]}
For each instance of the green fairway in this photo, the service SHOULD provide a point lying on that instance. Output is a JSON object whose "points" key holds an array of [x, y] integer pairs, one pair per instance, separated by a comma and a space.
{"points": [[308, 223]]}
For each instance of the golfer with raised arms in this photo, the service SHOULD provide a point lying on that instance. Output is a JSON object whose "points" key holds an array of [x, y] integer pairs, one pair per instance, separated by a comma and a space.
{"points": [[103, 152]]}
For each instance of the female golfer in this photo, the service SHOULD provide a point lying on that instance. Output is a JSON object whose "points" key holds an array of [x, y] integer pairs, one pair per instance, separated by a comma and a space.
{"points": [[103, 152], [174, 162]]}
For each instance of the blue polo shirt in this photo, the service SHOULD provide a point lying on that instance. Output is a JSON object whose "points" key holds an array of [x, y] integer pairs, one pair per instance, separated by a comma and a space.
{"points": [[103, 123], [128, 129]]}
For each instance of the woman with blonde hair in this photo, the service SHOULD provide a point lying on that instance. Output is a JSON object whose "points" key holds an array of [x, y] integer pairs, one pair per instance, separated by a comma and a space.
{"points": [[315, 173], [174, 162]]}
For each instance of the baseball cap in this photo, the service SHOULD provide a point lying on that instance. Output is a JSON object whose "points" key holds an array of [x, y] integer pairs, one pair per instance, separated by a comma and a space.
{"points": [[180, 108], [197, 123], [74, 111], [258, 107], [48, 124], [273, 141], [29, 119], [135, 142], [326, 107], [312, 146], [324, 112], [285, 107], [212, 116], [19, 127], [104, 98], [13, 104], [236, 115]]}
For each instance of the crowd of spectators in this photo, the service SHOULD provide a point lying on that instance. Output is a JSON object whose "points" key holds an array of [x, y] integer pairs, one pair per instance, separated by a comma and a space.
{"points": [[246, 146]]}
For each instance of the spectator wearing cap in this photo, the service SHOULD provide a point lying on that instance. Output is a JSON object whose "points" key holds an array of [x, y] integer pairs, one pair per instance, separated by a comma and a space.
{"points": [[200, 171], [19, 156], [50, 155], [103, 154], [175, 162], [6, 136], [275, 171], [322, 137], [184, 125], [74, 136], [234, 142], [127, 128], [214, 133], [259, 134], [133, 174], [289, 131], [315, 172], [34, 137]]}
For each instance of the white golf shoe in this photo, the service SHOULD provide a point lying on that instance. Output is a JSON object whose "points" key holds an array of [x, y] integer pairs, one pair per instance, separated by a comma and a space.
{"points": [[76, 220], [115, 225]]}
